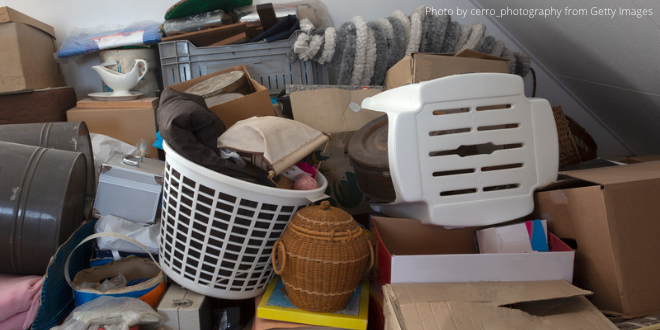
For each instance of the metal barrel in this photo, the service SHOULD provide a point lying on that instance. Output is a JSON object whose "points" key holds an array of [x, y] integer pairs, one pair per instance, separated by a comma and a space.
{"points": [[42, 198], [71, 136]]}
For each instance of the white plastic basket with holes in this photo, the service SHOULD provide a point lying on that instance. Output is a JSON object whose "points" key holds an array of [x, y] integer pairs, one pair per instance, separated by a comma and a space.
{"points": [[217, 232], [466, 150]]}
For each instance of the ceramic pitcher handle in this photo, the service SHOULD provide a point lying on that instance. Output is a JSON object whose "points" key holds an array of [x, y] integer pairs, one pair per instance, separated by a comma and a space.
{"points": [[146, 67]]}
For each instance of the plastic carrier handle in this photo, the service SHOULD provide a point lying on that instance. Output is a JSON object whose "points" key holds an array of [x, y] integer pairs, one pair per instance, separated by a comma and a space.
{"points": [[104, 234]]}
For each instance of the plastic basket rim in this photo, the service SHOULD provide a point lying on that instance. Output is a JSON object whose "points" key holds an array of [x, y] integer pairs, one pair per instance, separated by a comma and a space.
{"points": [[237, 183]]}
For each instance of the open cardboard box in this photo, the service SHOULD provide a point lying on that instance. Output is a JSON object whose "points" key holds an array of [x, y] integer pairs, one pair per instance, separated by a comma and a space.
{"points": [[613, 213], [420, 67], [539, 305], [256, 103], [333, 111], [408, 251]]}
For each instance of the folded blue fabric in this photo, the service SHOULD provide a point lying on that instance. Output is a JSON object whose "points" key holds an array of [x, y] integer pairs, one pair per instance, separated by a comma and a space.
{"points": [[134, 35]]}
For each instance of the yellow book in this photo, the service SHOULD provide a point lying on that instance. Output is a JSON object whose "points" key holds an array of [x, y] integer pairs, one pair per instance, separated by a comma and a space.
{"points": [[276, 306]]}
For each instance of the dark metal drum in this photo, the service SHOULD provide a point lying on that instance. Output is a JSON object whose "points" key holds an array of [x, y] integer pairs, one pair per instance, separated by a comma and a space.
{"points": [[42, 198], [71, 136]]}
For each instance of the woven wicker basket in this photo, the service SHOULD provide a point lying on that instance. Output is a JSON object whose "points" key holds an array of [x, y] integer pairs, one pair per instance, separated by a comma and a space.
{"points": [[575, 144], [322, 256]]}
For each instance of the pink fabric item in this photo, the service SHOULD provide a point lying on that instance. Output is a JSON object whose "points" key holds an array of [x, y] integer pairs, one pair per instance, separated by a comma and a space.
{"points": [[19, 300]]}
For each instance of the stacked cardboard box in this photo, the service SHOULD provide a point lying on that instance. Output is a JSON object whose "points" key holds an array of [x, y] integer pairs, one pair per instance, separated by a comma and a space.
{"points": [[26, 60], [127, 121]]}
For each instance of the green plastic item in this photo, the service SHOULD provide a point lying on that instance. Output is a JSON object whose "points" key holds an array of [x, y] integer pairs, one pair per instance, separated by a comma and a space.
{"points": [[192, 7]]}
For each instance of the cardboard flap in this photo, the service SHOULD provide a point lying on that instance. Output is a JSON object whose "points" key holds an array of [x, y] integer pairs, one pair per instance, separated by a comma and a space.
{"points": [[332, 110], [489, 293], [576, 313], [469, 53], [10, 15], [618, 174], [488, 305]]}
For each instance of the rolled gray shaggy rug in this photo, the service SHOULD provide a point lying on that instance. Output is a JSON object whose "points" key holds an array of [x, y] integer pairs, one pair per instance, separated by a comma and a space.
{"points": [[462, 38], [452, 37], [497, 48], [398, 47], [361, 40], [477, 31], [405, 22], [487, 46], [508, 54], [380, 68], [415, 31], [370, 63], [522, 63], [345, 53]]}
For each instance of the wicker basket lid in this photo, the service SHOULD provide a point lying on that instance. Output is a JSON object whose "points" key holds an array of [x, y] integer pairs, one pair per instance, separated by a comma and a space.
{"points": [[326, 221]]}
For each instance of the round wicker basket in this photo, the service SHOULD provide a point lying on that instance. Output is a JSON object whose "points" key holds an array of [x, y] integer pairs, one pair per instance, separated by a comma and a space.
{"points": [[322, 256]]}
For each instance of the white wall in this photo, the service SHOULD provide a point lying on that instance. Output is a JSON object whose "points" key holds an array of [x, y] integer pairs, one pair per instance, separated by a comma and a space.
{"points": [[67, 15]]}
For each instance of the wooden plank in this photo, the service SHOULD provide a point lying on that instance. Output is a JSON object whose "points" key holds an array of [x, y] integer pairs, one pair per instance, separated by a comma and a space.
{"points": [[210, 36], [239, 37], [146, 102], [267, 16]]}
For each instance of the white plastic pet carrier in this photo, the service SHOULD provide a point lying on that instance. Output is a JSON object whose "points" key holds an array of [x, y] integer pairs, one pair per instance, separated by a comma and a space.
{"points": [[466, 150]]}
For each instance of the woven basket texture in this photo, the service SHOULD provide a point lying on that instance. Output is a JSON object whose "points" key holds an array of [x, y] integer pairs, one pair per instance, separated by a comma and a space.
{"points": [[575, 144], [322, 256]]}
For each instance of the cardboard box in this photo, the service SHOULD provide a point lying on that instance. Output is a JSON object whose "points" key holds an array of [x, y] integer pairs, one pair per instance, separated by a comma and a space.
{"points": [[26, 60], [542, 305], [256, 103], [39, 106], [420, 67], [128, 125], [408, 251], [144, 102], [182, 309], [613, 213], [332, 111]]}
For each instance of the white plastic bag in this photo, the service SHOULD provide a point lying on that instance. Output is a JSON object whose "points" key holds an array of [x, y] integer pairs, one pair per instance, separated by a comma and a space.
{"points": [[124, 312], [145, 234]]}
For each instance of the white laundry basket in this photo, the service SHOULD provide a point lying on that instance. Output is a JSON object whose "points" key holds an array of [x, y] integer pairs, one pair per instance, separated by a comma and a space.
{"points": [[217, 232], [466, 150]]}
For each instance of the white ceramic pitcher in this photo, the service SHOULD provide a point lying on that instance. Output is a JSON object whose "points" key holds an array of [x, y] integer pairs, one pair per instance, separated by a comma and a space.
{"points": [[121, 83]]}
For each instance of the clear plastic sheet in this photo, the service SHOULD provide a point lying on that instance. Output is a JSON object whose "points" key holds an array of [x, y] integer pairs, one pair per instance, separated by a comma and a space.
{"points": [[147, 235], [314, 10]]}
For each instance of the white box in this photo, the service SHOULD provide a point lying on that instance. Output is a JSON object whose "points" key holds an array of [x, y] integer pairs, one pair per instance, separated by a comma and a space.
{"points": [[182, 309], [128, 191], [525, 237]]}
